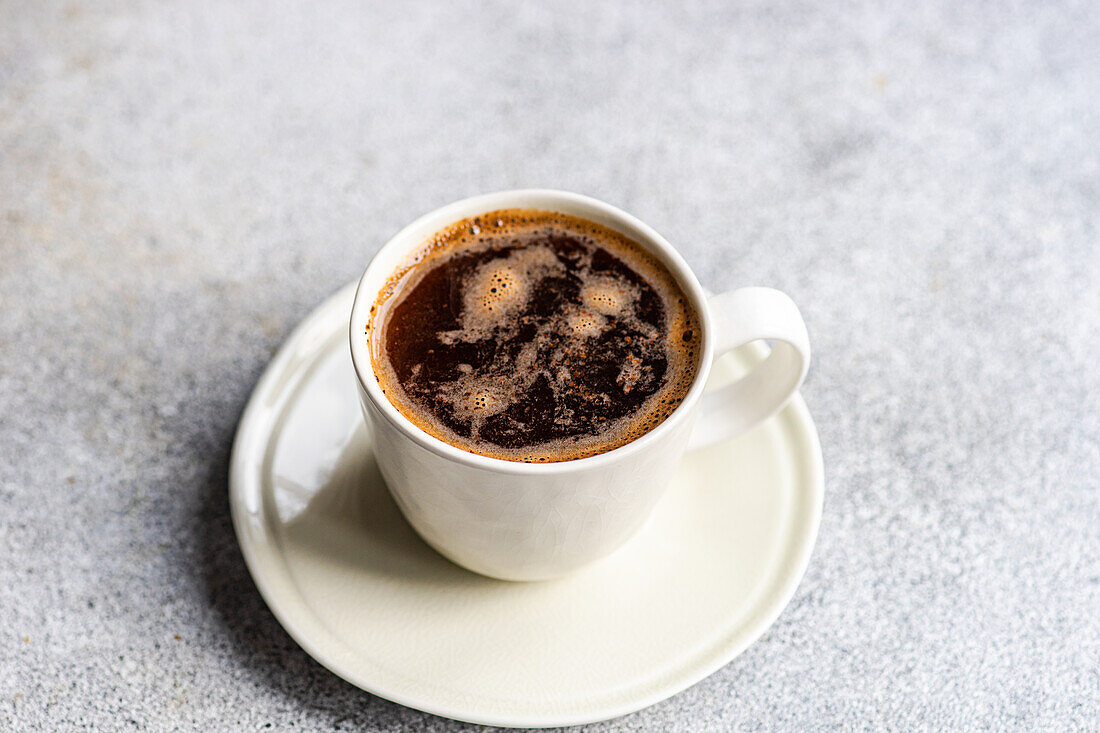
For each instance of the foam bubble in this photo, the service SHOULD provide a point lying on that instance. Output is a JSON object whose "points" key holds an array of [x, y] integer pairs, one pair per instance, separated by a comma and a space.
{"points": [[630, 373], [607, 296], [496, 290], [473, 399], [584, 323]]}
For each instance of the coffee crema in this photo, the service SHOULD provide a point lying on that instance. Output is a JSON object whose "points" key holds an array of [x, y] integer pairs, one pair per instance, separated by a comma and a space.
{"points": [[534, 336]]}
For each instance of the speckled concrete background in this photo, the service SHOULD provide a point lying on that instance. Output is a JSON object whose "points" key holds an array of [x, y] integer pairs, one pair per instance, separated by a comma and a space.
{"points": [[181, 182]]}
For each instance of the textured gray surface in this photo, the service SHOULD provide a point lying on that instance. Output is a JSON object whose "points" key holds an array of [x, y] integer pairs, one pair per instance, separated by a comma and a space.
{"points": [[180, 183]]}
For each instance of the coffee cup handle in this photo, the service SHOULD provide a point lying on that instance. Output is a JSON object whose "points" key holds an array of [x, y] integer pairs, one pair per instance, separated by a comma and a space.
{"points": [[739, 317]]}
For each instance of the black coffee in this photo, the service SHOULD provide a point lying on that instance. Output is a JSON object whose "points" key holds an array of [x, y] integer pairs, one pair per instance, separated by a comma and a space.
{"points": [[534, 336]]}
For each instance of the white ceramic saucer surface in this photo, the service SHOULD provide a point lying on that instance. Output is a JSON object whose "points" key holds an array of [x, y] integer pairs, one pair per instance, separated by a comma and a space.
{"points": [[355, 586]]}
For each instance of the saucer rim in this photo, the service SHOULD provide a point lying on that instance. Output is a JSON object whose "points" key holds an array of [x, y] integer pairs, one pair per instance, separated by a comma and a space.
{"points": [[258, 422]]}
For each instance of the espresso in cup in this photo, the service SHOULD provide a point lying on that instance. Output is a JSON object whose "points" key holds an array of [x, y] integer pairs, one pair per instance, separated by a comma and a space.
{"points": [[534, 336]]}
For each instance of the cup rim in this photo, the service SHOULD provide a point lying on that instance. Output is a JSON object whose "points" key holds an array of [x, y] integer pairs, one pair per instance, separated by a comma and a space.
{"points": [[409, 238]]}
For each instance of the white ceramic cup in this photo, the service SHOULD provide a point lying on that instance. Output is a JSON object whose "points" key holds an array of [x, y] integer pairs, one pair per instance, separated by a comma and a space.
{"points": [[531, 521]]}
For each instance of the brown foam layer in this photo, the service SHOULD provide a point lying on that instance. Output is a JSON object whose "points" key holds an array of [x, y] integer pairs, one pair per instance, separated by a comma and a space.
{"points": [[533, 336]]}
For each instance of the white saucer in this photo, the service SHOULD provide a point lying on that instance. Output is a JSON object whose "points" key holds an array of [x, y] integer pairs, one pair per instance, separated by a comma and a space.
{"points": [[354, 585]]}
